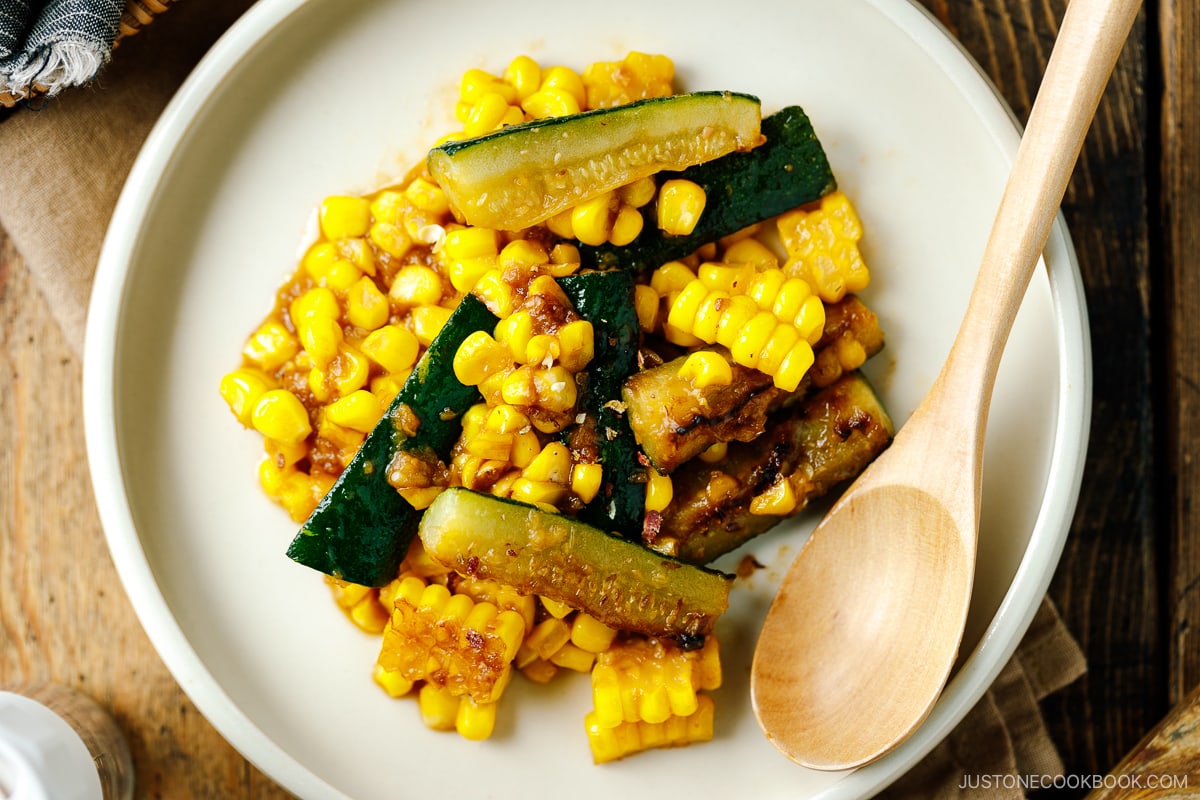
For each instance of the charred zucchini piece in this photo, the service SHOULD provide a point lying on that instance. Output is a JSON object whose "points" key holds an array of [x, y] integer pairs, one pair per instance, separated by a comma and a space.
{"points": [[605, 299], [619, 582], [673, 421], [813, 446], [788, 170], [361, 529], [523, 174]]}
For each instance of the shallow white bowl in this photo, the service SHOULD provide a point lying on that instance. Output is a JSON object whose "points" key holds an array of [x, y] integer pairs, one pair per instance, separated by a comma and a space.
{"points": [[304, 99]]}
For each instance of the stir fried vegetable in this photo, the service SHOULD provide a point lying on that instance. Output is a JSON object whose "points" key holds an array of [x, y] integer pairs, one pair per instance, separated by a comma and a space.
{"points": [[520, 399]]}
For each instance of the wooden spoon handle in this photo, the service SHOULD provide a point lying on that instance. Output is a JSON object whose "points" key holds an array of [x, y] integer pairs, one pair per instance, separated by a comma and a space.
{"points": [[1089, 41]]}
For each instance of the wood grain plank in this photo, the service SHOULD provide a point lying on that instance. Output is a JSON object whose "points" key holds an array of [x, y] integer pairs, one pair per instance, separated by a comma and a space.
{"points": [[63, 613], [1107, 586], [1179, 23]]}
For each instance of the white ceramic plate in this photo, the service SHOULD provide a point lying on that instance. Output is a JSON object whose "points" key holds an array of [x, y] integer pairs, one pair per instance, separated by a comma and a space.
{"points": [[304, 99]]}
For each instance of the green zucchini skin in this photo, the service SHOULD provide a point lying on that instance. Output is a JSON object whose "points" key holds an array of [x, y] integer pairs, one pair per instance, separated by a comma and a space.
{"points": [[606, 300], [621, 583], [361, 529], [788, 170], [522, 174]]}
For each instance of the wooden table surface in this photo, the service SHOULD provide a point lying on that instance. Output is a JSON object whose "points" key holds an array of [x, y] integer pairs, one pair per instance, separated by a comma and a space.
{"points": [[1129, 582]]}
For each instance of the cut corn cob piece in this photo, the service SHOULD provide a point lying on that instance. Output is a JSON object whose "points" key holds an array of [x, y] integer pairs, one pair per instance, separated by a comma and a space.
{"points": [[613, 743], [822, 246], [650, 679], [450, 640]]}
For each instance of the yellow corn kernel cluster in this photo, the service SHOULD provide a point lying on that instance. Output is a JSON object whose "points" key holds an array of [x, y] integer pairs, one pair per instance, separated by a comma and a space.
{"points": [[647, 693], [563, 638], [627, 738], [635, 77], [822, 246], [767, 321], [614, 217], [448, 639], [346, 330]]}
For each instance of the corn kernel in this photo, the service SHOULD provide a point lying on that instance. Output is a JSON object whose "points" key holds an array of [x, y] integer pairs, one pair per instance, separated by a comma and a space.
{"points": [[388, 206], [523, 254], [577, 343], [638, 193], [475, 721], [391, 238], [573, 657], [479, 356], [539, 671], [790, 298], [795, 364], [242, 388], [586, 480], [764, 288], [567, 80], [416, 285], [550, 102], [560, 224], [778, 499], [537, 493], [591, 220], [496, 293], [737, 315], [524, 75], [320, 258], [714, 453], [708, 315], [682, 313], [281, 416], [626, 227], [342, 217], [705, 368], [349, 371], [392, 682], [659, 490], [359, 411], [439, 708], [369, 615], [753, 252], [285, 455], [515, 331], [752, 339], [366, 306], [552, 465], [645, 304], [680, 204], [271, 346], [485, 114], [462, 243], [358, 253], [490, 446], [782, 339], [548, 636], [590, 634], [392, 347], [674, 276], [555, 608], [850, 352], [731, 278], [321, 337], [319, 301], [555, 388], [505, 419], [477, 81], [810, 321], [525, 448], [427, 321], [518, 388]]}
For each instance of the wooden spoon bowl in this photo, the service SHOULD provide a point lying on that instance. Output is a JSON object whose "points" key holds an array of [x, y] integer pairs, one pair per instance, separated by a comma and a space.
{"points": [[866, 626]]}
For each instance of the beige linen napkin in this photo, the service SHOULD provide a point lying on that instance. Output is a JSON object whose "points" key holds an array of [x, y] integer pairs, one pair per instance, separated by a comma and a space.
{"points": [[65, 165]]}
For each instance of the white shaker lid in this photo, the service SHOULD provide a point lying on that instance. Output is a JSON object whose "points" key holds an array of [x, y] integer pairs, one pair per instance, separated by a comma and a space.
{"points": [[41, 755]]}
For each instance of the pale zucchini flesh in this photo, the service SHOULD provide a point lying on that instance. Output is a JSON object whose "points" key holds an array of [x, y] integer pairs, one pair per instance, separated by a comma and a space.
{"points": [[621, 583], [524, 174]]}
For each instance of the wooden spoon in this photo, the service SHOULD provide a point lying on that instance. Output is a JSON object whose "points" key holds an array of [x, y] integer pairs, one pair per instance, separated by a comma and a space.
{"points": [[860, 639]]}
